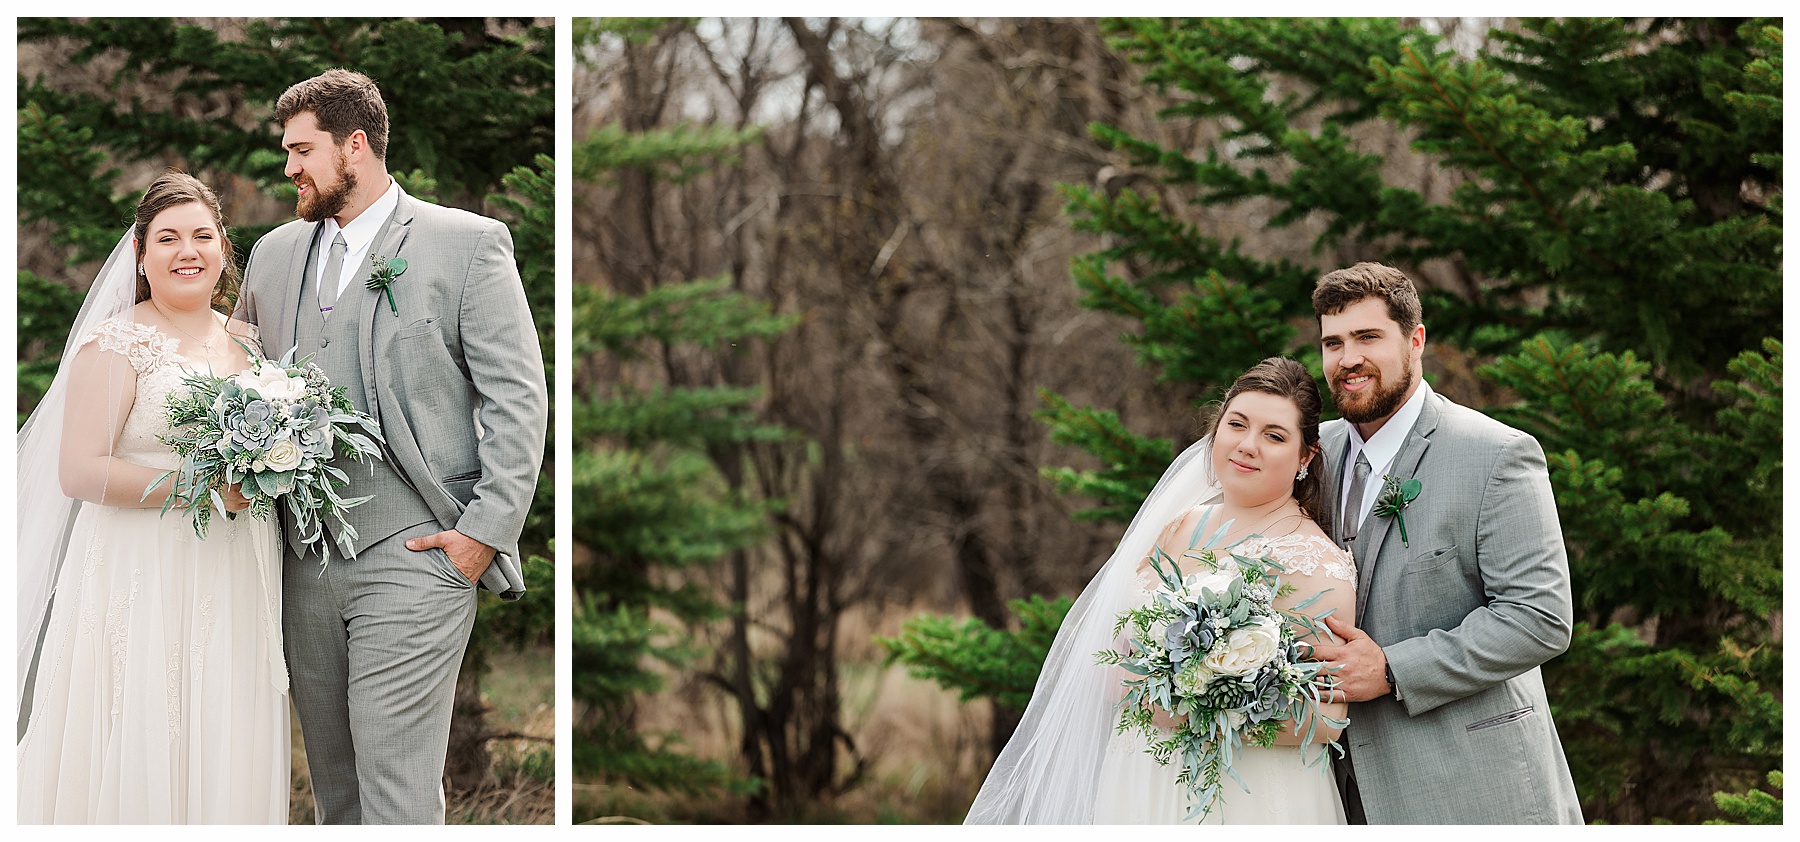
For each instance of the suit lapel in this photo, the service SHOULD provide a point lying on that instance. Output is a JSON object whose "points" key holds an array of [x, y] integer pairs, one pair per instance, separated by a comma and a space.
{"points": [[1334, 440], [372, 304], [296, 284], [1375, 528]]}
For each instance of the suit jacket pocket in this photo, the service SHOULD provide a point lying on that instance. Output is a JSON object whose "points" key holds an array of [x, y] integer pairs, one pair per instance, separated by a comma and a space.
{"points": [[462, 486], [1431, 560], [1502, 719], [418, 328]]}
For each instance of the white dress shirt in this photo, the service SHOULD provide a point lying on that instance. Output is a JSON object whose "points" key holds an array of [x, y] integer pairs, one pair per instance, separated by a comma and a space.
{"points": [[1382, 448], [359, 235]]}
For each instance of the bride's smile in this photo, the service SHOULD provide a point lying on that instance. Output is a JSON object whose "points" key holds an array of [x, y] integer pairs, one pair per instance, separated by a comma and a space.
{"points": [[184, 257]]}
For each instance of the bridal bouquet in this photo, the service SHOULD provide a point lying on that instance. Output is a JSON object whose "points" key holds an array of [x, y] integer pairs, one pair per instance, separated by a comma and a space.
{"points": [[1212, 647], [273, 429]]}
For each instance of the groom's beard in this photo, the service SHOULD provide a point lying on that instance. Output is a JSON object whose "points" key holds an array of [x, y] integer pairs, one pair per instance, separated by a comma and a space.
{"points": [[319, 203], [1379, 401]]}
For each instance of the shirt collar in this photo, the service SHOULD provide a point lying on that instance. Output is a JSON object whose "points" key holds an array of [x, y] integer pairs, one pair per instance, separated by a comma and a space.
{"points": [[1385, 444], [361, 230]]}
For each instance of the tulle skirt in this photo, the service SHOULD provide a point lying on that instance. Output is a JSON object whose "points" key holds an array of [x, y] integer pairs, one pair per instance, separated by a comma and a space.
{"points": [[160, 695], [1135, 789]]}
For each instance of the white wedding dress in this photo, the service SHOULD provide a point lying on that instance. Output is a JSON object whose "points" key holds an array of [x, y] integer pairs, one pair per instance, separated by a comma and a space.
{"points": [[161, 694], [1135, 789]]}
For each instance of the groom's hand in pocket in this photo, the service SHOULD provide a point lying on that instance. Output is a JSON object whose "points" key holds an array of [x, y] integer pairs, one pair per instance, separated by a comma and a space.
{"points": [[1356, 664], [469, 555]]}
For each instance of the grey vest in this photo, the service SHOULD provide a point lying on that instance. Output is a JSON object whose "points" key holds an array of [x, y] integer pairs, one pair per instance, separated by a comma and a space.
{"points": [[333, 346]]}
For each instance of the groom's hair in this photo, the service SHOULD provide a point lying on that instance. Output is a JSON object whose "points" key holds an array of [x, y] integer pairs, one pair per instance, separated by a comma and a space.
{"points": [[343, 101], [1344, 287]]}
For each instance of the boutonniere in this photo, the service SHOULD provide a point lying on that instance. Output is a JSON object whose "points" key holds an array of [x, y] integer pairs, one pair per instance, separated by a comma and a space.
{"points": [[382, 279], [1395, 496]]}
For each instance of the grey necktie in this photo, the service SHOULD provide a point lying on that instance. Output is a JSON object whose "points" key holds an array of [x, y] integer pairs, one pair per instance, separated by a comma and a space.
{"points": [[333, 277], [1353, 500]]}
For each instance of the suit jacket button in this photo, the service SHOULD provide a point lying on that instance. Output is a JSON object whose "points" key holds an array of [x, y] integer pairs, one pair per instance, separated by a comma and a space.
{"points": [[325, 342]]}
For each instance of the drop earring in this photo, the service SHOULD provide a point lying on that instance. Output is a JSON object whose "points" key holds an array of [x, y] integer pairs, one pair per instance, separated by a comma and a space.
{"points": [[1302, 474]]}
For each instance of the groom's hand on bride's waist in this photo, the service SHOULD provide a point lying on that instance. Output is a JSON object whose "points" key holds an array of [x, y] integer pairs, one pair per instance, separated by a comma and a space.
{"points": [[1355, 665], [469, 555]]}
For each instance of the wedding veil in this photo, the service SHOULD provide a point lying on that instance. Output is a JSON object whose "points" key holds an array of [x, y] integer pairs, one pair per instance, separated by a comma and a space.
{"points": [[46, 514], [1049, 772]]}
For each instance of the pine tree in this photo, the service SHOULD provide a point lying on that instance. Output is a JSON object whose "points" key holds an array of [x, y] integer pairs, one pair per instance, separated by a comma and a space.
{"points": [[1753, 807], [977, 659], [465, 105], [1614, 236], [650, 505]]}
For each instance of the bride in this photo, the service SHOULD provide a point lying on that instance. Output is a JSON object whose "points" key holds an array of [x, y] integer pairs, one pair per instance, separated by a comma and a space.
{"points": [[1260, 469], [150, 660]]}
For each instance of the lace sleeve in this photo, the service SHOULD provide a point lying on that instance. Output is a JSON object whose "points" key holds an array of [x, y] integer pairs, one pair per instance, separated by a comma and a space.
{"points": [[102, 389], [1313, 565], [143, 345], [1313, 556], [249, 334]]}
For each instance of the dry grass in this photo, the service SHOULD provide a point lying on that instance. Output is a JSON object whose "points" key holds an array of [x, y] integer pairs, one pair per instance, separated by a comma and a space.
{"points": [[521, 788], [925, 750]]}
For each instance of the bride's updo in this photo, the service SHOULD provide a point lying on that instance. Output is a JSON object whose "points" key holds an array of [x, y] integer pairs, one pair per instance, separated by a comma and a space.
{"points": [[173, 189], [1286, 378]]}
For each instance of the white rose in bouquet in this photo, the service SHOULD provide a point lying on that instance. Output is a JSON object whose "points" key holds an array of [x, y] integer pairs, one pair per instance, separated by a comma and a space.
{"points": [[272, 383], [1218, 581], [1246, 649], [1192, 678], [284, 456]]}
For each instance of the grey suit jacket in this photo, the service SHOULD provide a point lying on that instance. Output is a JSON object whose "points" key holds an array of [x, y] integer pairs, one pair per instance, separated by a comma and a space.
{"points": [[1466, 614], [457, 378]]}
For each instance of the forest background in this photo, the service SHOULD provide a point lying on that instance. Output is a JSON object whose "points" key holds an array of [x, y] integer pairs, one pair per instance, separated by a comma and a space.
{"points": [[106, 105], [884, 327]]}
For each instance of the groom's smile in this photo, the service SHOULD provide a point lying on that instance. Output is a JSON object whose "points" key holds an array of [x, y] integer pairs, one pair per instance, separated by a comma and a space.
{"points": [[1362, 394]]}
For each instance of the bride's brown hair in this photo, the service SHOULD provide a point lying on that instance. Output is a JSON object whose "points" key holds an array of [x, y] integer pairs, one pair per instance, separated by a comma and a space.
{"points": [[173, 189], [1285, 378]]}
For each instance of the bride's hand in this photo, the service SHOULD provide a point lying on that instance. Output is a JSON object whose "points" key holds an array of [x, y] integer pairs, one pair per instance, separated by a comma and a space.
{"points": [[1166, 720], [234, 498]]}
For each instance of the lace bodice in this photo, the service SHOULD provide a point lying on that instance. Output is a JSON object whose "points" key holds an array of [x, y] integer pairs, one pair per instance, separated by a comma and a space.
{"points": [[160, 367], [1303, 555], [1300, 555]]}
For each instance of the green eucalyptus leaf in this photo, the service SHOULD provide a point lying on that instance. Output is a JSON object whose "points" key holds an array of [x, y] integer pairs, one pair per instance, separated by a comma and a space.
{"points": [[1194, 539], [1219, 535]]}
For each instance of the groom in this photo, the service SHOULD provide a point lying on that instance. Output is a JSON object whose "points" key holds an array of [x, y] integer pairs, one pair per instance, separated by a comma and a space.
{"points": [[447, 360], [1448, 722]]}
